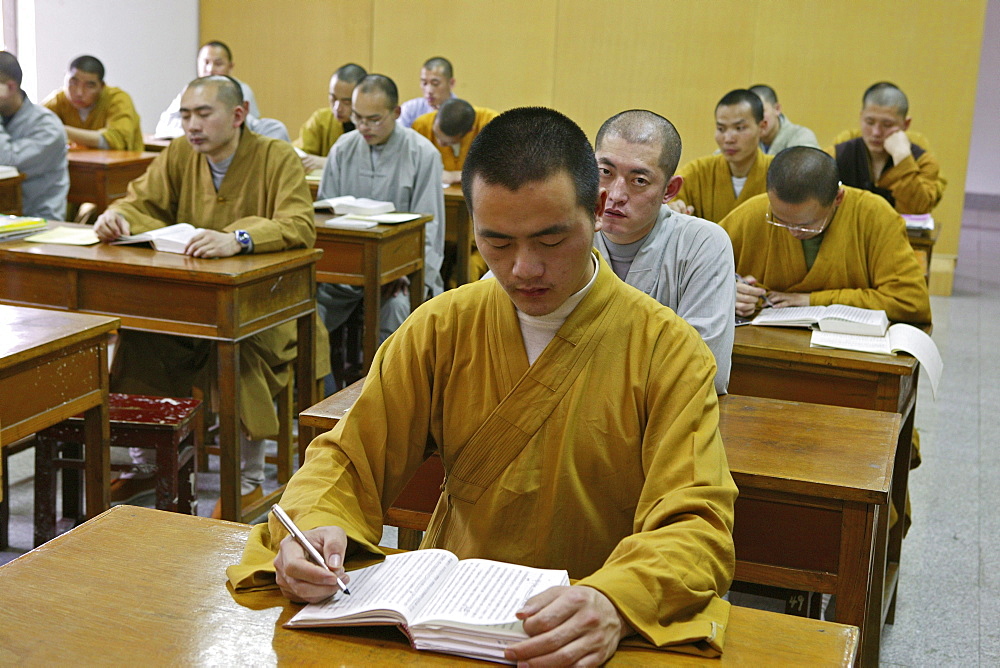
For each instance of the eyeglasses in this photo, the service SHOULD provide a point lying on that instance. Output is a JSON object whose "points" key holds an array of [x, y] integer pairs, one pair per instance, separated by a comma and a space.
{"points": [[810, 227], [367, 121]]}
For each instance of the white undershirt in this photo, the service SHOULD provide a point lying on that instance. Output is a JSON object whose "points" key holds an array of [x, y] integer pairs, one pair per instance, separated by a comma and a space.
{"points": [[738, 184], [538, 330]]}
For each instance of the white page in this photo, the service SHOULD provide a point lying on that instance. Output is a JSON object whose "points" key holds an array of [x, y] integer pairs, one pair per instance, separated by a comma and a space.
{"points": [[866, 344], [865, 316], [70, 236], [920, 345], [485, 592], [400, 582], [788, 314]]}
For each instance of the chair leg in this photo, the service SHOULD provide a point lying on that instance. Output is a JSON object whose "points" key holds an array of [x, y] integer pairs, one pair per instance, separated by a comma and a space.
{"points": [[4, 499], [408, 539], [72, 482]]}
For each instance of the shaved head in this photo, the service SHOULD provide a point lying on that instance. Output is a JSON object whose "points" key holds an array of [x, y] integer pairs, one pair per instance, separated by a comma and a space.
{"points": [[350, 73], [439, 63], [801, 173], [885, 94], [639, 126], [226, 88], [455, 117]]}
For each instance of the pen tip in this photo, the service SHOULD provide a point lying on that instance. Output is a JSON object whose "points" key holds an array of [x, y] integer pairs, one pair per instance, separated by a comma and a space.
{"points": [[347, 591]]}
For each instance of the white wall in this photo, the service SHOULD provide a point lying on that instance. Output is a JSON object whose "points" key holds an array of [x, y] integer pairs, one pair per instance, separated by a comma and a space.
{"points": [[984, 154], [148, 47]]}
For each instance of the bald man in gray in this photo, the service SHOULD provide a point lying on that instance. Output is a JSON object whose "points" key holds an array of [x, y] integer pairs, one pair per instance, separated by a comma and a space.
{"points": [[683, 262]]}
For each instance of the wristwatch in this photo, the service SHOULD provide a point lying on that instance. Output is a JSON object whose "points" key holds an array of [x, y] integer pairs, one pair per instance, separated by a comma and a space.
{"points": [[244, 240]]}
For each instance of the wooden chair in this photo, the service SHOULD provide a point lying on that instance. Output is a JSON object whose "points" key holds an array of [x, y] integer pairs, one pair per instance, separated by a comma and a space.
{"points": [[170, 426]]}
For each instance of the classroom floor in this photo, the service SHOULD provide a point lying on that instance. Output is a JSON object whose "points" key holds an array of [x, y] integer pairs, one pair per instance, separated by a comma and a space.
{"points": [[948, 611]]}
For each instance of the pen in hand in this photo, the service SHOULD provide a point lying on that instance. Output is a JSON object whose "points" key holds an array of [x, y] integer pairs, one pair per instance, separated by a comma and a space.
{"points": [[311, 551], [764, 297]]}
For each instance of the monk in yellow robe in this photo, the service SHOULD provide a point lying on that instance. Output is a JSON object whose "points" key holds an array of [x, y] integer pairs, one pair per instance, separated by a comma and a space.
{"points": [[809, 241], [575, 416], [321, 130], [249, 194], [95, 115], [716, 184], [887, 159]]}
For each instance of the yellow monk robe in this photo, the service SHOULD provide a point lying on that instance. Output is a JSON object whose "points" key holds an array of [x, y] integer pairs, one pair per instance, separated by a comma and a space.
{"points": [[319, 133], [113, 115], [264, 192], [865, 258], [454, 163], [708, 185], [916, 184], [625, 485]]}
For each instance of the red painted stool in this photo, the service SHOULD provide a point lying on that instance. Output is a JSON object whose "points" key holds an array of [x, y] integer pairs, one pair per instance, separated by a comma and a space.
{"points": [[169, 426]]}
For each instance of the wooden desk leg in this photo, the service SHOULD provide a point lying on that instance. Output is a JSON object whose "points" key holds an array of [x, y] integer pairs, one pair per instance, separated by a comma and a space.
{"points": [[305, 374], [228, 373], [373, 304], [97, 445], [858, 601], [464, 243], [900, 482]]}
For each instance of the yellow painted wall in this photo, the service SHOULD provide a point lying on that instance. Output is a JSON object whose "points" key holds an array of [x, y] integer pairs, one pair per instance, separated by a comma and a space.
{"points": [[592, 58]]}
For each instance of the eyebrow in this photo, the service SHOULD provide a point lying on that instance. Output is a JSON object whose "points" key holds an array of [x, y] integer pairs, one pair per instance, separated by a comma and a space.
{"points": [[558, 228], [199, 108]]}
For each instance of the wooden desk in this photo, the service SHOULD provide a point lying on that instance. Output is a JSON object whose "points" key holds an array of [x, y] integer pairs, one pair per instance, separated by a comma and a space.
{"points": [[155, 144], [52, 366], [370, 259], [101, 177], [922, 242], [224, 300], [62, 599], [814, 481], [458, 229], [777, 362], [10, 195]]}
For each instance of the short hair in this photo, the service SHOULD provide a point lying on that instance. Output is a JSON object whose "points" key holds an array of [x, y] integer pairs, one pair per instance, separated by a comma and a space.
{"points": [[219, 45], [10, 69], [228, 89], [456, 117], [440, 63], [640, 126], [886, 94], [88, 64], [379, 83], [350, 73], [739, 96], [765, 93], [528, 145], [801, 173]]}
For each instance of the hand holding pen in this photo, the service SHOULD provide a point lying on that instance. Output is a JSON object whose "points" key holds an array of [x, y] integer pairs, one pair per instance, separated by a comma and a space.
{"points": [[747, 294], [290, 577]]}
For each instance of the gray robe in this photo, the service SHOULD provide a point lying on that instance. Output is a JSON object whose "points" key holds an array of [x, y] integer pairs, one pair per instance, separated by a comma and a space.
{"points": [[34, 141], [686, 264]]}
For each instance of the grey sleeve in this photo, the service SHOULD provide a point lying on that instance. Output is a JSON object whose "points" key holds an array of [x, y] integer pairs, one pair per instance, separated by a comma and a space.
{"points": [[708, 300]]}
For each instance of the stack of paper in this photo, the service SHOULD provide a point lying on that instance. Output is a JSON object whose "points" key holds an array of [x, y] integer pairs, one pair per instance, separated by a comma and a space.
{"points": [[15, 227], [900, 336], [833, 318], [347, 204], [8, 172], [919, 221]]}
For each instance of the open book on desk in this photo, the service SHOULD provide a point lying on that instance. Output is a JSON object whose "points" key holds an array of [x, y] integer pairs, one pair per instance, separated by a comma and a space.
{"points": [[349, 204], [833, 318], [442, 604], [172, 239], [899, 337]]}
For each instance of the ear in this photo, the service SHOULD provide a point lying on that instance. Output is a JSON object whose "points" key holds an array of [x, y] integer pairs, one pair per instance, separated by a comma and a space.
{"points": [[396, 112], [602, 199], [840, 196], [240, 113], [906, 123], [673, 187], [777, 108]]}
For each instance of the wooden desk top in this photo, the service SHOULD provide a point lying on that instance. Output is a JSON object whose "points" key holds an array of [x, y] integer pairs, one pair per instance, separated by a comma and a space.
{"points": [[12, 180], [331, 410], [378, 232], [146, 261], [791, 344], [107, 158], [812, 449], [454, 192], [30, 332], [137, 583], [155, 144]]}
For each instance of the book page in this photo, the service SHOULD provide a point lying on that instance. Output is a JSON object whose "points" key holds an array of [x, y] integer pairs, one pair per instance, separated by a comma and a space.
{"points": [[916, 342], [479, 591], [790, 315], [854, 320], [864, 316], [399, 583]]}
